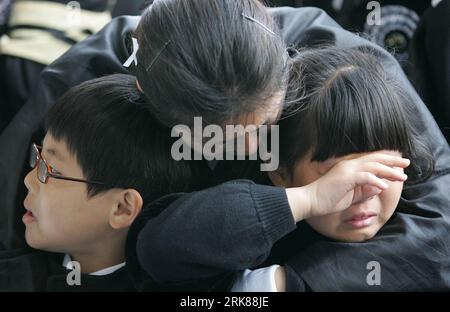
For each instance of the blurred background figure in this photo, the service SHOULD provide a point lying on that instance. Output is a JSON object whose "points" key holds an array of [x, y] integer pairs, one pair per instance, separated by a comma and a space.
{"points": [[34, 33], [5, 9], [430, 62], [399, 19]]}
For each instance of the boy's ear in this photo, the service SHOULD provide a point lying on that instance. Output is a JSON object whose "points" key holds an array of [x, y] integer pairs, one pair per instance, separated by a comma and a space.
{"points": [[280, 177], [128, 206]]}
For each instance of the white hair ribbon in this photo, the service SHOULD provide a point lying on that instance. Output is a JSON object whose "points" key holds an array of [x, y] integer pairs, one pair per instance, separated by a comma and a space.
{"points": [[133, 57]]}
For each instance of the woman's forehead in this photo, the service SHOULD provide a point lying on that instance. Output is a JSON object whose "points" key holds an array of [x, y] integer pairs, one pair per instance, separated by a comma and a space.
{"points": [[268, 115]]}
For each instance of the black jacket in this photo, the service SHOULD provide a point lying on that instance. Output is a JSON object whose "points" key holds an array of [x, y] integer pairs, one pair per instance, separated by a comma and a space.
{"points": [[203, 238]]}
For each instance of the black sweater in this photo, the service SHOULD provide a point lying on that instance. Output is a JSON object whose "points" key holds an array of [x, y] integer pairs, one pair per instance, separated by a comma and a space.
{"points": [[200, 240]]}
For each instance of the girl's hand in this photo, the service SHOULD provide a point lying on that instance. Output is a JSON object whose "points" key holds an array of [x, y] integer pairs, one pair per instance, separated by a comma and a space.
{"points": [[347, 183]]}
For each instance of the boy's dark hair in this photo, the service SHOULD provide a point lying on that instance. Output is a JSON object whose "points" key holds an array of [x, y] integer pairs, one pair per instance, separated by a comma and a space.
{"points": [[347, 103], [204, 58], [115, 139]]}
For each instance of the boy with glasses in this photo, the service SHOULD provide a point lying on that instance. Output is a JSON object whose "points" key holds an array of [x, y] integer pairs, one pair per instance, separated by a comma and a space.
{"points": [[102, 159]]}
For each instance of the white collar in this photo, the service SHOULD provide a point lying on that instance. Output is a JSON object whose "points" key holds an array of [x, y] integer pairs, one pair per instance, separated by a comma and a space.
{"points": [[67, 263]]}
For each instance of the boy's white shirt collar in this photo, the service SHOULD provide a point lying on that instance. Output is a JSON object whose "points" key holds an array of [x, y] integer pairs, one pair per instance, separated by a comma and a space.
{"points": [[260, 280], [67, 263]]}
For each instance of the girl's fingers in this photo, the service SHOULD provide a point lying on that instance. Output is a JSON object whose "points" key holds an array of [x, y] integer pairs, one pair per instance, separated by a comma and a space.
{"points": [[364, 193], [384, 172], [366, 186], [385, 159], [367, 178]]}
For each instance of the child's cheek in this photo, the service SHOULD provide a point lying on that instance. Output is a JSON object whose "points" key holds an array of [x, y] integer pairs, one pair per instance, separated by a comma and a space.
{"points": [[326, 225], [390, 199], [52, 205]]}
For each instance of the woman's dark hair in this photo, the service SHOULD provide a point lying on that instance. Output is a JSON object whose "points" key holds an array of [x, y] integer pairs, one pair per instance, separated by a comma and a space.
{"points": [[115, 139], [347, 103], [218, 59]]}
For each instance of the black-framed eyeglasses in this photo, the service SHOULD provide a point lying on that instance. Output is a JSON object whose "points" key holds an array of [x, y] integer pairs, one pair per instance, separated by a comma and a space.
{"points": [[44, 170]]}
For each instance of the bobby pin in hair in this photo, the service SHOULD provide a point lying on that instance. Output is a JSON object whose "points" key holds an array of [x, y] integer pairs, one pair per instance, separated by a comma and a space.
{"points": [[258, 23], [158, 55]]}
